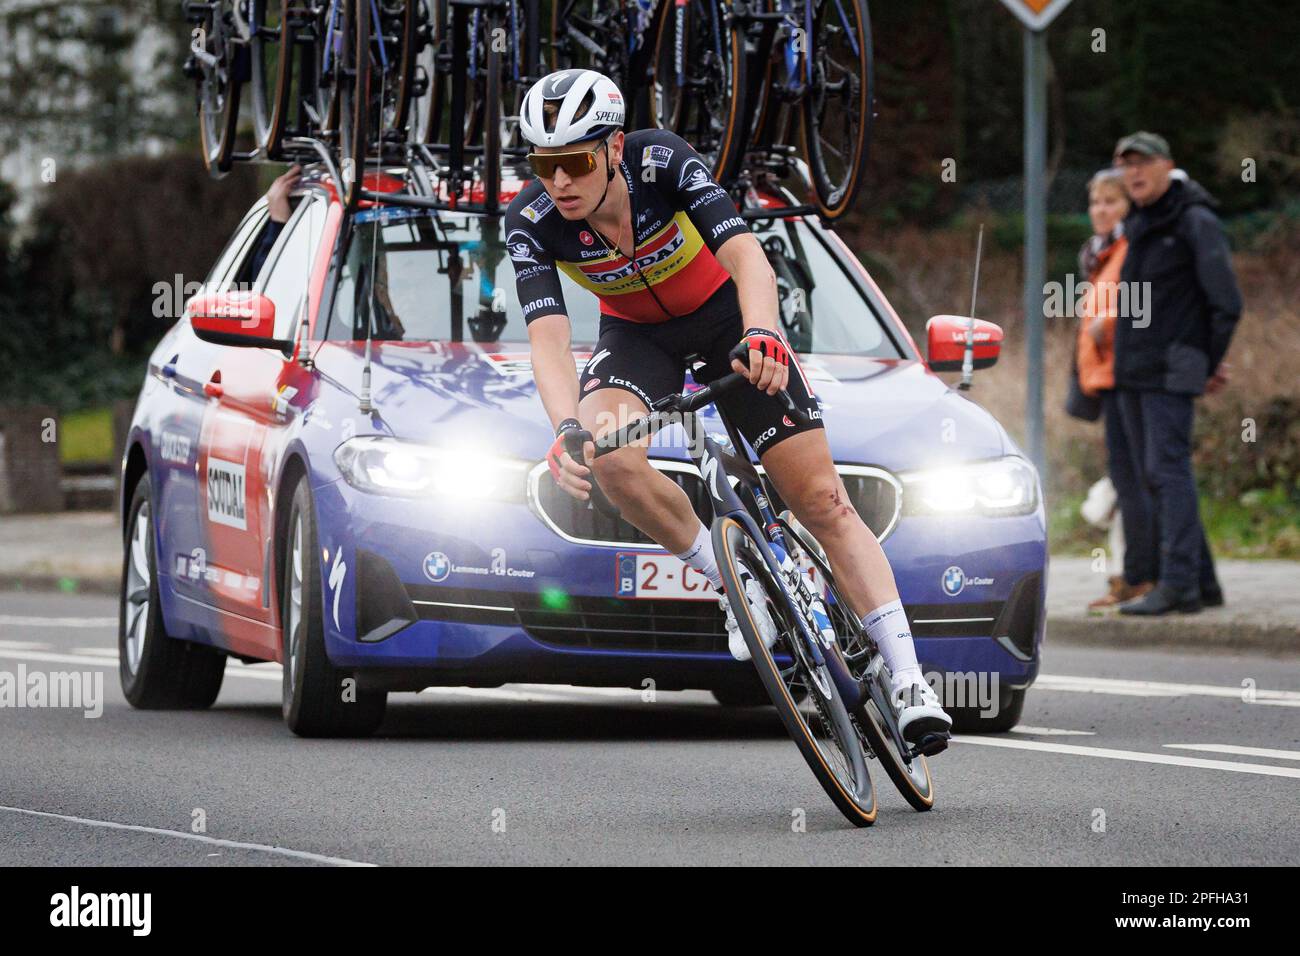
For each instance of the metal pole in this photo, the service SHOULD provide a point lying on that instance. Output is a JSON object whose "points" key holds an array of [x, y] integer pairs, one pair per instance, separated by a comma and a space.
{"points": [[1035, 235]]}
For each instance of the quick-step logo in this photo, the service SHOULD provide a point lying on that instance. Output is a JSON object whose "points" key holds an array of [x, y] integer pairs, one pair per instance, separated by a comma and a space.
{"points": [[226, 502]]}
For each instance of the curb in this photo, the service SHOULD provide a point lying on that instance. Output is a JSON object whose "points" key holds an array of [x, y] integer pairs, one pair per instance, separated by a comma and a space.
{"points": [[1182, 632], [58, 583]]}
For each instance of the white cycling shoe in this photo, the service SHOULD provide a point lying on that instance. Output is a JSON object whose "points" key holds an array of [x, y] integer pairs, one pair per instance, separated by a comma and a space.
{"points": [[758, 608], [917, 708]]}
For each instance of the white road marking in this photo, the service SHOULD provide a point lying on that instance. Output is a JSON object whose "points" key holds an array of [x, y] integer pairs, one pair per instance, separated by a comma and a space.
{"points": [[24, 645], [1135, 756], [50, 658], [197, 837], [1150, 688], [1240, 751], [18, 620], [96, 651], [1051, 731]]}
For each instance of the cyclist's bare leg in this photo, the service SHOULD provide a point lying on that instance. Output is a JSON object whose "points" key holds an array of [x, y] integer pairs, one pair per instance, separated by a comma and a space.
{"points": [[804, 475], [648, 499]]}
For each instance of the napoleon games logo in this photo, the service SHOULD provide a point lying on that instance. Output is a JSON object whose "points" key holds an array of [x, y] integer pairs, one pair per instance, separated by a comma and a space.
{"points": [[586, 237], [437, 566], [694, 176]]}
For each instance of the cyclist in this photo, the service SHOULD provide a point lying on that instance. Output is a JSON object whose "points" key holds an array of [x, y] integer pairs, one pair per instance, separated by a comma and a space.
{"points": [[637, 219]]}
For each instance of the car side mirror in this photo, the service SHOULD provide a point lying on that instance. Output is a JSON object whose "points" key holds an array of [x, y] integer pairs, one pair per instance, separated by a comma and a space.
{"points": [[243, 319], [946, 342]]}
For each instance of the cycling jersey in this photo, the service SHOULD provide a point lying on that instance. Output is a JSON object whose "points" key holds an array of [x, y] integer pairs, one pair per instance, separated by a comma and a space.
{"points": [[680, 217]]}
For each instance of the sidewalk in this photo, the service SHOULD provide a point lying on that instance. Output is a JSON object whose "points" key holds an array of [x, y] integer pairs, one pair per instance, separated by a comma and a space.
{"points": [[1261, 613], [69, 551], [82, 551]]}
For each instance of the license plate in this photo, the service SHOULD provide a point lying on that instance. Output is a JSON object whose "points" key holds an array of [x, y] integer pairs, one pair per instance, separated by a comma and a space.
{"points": [[659, 576]]}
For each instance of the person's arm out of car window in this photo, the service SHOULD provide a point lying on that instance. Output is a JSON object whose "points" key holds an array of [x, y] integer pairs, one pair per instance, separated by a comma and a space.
{"points": [[278, 212]]}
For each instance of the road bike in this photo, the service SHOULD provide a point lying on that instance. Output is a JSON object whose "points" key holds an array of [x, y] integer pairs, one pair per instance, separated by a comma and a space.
{"points": [[823, 674], [810, 66], [219, 64]]}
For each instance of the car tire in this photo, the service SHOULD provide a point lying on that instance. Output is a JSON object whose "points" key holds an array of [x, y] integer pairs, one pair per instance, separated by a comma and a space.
{"points": [[969, 720], [315, 698], [158, 672]]}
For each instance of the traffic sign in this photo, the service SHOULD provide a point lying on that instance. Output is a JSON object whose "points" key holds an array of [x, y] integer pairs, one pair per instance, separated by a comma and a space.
{"points": [[1036, 14]]}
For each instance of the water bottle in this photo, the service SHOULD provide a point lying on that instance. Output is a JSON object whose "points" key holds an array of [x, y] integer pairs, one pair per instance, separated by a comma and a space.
{"points": [[798, 582]]}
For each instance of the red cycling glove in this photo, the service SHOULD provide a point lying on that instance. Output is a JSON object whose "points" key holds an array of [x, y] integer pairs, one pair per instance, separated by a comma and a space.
{"points": [[555, 456], [768, 344]]}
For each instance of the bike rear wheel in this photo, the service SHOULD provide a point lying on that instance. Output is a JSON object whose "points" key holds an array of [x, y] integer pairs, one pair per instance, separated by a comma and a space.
{"points": [[699, 81], [220, 81], [837, 108], [911, 775], [354, 80], [822, 728], [272, 70]]}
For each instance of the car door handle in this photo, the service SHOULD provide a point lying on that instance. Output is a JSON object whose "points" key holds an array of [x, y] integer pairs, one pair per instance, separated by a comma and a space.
{"points": [[212, 387]]}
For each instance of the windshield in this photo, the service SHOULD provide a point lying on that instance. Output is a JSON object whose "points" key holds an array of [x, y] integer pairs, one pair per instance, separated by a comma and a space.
{"points": [[423, 275]]}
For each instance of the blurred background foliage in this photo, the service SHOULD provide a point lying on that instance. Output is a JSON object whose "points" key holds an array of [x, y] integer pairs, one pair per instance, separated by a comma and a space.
{"points": [[94, 87]]}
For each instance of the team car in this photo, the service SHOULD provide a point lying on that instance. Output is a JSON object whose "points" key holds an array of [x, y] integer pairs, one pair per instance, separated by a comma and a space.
{"points": [[337, 463]]}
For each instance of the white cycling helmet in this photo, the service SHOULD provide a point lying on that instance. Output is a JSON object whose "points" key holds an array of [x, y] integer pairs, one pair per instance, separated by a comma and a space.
{"points": [[590, 107]]}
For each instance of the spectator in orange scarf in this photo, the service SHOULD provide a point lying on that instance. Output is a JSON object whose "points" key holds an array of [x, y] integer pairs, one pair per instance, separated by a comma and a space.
{"points": [[1100, 261]]}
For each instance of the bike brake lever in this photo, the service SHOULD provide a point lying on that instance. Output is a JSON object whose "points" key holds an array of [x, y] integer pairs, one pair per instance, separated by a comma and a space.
{"points": [[797, 414], [574, 440]]}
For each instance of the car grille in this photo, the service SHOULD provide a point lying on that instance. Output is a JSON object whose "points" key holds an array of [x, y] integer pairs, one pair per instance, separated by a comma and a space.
{"points": [[874, 493], [579, 621]]}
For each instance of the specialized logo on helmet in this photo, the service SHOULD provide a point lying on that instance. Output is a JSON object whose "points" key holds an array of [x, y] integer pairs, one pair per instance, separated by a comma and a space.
{"points": [[521, 246], [694, 176], [557, 84]]}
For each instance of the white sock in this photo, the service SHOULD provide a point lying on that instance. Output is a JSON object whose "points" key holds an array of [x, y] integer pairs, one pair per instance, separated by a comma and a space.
{"points": [[700, 557], [887, 626]]}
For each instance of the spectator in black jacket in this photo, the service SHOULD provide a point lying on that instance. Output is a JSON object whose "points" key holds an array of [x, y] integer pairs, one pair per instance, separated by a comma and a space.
{"points": [[1184, 305]]}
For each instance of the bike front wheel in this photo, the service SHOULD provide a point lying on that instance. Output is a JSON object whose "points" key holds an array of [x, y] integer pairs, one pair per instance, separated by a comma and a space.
{"points": [[911, 775], [821, 726]]}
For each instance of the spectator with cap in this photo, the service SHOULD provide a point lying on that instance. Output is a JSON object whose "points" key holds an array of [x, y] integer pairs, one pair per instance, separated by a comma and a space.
{"points": [[1167, 352]]}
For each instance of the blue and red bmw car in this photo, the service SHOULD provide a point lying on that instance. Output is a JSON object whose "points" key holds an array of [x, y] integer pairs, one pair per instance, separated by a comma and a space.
{"points": [[336, 462]]}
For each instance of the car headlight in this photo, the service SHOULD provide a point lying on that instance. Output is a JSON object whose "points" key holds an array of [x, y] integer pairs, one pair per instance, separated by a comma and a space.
{"points": [[1003, 486], [387, 466]]}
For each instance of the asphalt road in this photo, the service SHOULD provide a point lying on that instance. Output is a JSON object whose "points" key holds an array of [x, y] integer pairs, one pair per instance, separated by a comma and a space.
{"points": [[1123, 758]]}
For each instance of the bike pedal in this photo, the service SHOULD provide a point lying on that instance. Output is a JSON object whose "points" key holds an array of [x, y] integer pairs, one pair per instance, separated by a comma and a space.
{"points": [[930, 745]]}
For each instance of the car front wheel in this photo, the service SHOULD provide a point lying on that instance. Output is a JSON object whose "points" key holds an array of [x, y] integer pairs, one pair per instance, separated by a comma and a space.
{"points": [[317, 698]]}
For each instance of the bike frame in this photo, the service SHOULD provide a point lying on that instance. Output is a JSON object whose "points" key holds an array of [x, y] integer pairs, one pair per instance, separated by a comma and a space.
{"points": [[717, 466]]}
